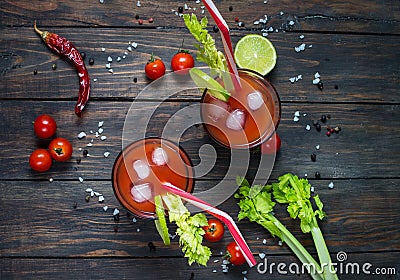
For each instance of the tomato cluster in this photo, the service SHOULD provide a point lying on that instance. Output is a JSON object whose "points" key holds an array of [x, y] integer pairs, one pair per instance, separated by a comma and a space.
{"points": [[181, 62], [60, 149]]}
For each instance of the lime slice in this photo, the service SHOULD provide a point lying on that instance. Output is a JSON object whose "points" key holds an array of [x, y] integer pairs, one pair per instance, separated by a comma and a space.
{"points": [[256, 53], [161, 223], [203, 80]]}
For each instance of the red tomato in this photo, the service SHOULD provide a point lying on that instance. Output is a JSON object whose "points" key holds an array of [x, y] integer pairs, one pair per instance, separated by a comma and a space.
{"points": [[214, 231], [44, 126], [155, 68], [40, 160], [60, 149], [234, 255], [272, 145], [182, 61]]}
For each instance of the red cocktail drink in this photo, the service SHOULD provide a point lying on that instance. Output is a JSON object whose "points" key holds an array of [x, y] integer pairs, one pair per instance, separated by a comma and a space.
{"points": [[248, 118], [142, 167]]}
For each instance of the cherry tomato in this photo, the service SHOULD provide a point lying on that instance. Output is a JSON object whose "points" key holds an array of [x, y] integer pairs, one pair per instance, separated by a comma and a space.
{"points": [[44, 126], [155, 68], [272, 145], [60, 149], [234, 255], [40, 160], [182, 61], [214, 231]]}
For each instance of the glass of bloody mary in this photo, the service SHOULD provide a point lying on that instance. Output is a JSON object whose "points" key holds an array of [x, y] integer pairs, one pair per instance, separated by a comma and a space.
{"points": [[143, 166], [248, 118]]}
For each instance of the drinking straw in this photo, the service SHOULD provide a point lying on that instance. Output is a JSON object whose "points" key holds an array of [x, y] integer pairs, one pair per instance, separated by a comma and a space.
{"points": [[226, 40], [224, 217]]}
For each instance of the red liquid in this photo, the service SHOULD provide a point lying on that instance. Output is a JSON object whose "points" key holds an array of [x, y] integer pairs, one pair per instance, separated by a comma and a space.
{"points": [[259, 124], [177, 171]]}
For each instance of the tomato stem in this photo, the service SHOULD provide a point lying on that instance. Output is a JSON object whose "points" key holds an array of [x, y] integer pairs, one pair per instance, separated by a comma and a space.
{"points": [[59, 151]]}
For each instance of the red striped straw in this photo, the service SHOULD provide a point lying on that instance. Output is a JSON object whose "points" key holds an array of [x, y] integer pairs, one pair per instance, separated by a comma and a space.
{"points": [[226, 40], [224, 217]]}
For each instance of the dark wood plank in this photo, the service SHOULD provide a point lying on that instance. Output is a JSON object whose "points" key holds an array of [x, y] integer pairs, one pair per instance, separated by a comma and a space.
{"points": [[353, 68], [104, 268], [40, 219], [367, 146], [376, 17]]}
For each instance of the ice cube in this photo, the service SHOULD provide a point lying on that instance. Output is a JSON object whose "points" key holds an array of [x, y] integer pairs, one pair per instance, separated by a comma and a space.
{"points": [[236, 119], [255, 100], [141, 168], [217, 109], [159, 156], [141, 193]]}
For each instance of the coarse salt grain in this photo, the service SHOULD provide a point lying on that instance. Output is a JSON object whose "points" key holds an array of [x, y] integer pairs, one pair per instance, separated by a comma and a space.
{"points": [[103, 138], [264, 241], [100, 124], [297, 114], [100, 131], [215, 261], [301, 37], [308, 127], [280, 243], [111, 71], [291, 23], [317, 147], [296, 119], [106, 154], [108, 65], [94, 80], [103, 49], [214, 271], [81, 135], [109, 59], [312, 189], [118, 59], [89, 190], [89, 144], [134, 45], [261, 255], [105, 208], [138, 4], [97, 193], [134, 220], [331, 185], [138, 230], [80, 179], [101, 198], [316, 81], [116, 211], [317, 75]]}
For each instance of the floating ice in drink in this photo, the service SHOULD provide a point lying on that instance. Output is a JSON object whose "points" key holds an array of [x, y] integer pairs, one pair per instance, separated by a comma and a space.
{"points": [[141, 168], [255, 100], [159, 156], [236, 120], [217, 109], [141, 193]]}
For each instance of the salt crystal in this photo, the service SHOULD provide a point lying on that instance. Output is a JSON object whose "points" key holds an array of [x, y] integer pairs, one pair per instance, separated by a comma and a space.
{"points": [[118, 59], [101, 1], [51, 179], [124, 56], [244, 272], [331, 185], [105, 208], [94, 80], [197, 1], [316, 81], [109, 59], [301, 37], [138, 4], [116, 212], [271, 29], [236, 120], [280, 243], [97, 193], [80, 179], [134, 220], [159, 156], [296, 119], [108, 65], [89, 144], [225, 262], [310, 46], [106, 154], [141, 193], [186, 7], [261, 255], [81, 135], [103, 138], [305, 175], [291, 23], [255, 100], [134, 45], [297, 114], [111, 71], [215, 261], [103, 49], [138, 230], [317, 147], [92, 194], [264, 241], [312, 189], [97, 134], [308, 127], [100, 124], [141, 168], [101, 199], [317, 75], [100, 130], [214, 271], [256, 22], [125, 53], [88, 190], [129, 48], [281, 13], [292, 80]]}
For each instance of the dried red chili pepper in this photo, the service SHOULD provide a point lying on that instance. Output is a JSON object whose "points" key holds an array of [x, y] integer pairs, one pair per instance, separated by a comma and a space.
{"points": [[67, 50]]}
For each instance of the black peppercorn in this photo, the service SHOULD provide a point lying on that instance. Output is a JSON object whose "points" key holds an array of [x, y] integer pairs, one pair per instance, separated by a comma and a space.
{"points": [[83, 54], [320, 85], [116, 217], [318, 127], [116, 229], [137, 17], [151, 246], [78, 160], [336, 87], [75, 205], [85, 153], [230, 8], [91, 61], [180, 9], [313, 157], [87, 198], [35, 72], [317, 175], [215, 28], [323, 118], [241, 24], [54, 66], [135, 80]]}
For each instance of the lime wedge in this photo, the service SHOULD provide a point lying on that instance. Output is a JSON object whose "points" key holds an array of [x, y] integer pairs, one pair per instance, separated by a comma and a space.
{"points": [[256, 53], [161, 223], [203, 80]]}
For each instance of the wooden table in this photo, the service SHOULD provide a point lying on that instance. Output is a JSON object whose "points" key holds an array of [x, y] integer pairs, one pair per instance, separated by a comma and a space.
{"points": [[49, 231]]}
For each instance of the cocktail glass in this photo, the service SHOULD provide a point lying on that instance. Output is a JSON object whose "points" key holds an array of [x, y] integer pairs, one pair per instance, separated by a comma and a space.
{"points": [[248, 118], [141, 168]]}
